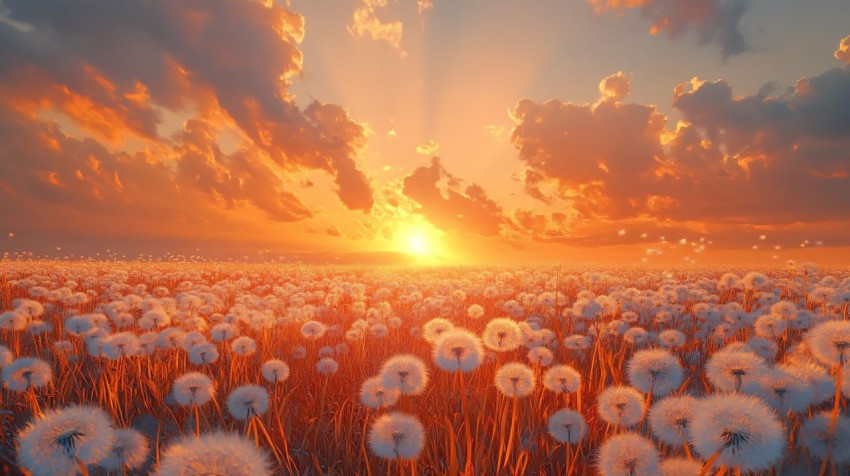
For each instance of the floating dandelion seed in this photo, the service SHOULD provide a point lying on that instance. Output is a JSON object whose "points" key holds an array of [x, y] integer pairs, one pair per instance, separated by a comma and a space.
{"points": [[405, 373], [214, 454], [62, 440], [397, 435]]}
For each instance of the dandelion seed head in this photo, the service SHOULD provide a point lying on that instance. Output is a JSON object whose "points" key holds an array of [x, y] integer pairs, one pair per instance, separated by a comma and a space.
{"points": [[193, 388], [24, 373], [628, 454], [621, 406], [247, 401], [567, 426], [515, 379], [655, 369], [54, 443], [502, 334], [397, 435], [669, 419], [743, 428], [275, 371], [374, 395], [458, 349], [405, 373], [562, 379], [214, 454], [129, 450]]}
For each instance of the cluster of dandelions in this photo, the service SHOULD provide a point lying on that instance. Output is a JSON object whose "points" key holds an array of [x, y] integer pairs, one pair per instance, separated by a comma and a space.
{"points": [[633, 372]]}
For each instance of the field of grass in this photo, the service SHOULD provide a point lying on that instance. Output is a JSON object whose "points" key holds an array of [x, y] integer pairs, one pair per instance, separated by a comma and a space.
{"points": [[215, 368]]}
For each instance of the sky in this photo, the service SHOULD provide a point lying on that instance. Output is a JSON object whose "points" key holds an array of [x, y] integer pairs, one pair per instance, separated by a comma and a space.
{"points": [[434, 132]]}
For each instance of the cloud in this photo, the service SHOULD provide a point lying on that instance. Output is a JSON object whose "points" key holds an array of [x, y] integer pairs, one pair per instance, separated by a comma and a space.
{"points": [[452, 208], [843, 52], [713, 21], [429, 148], [365, 24], [772, 158], [98, 89], [615, 87]]}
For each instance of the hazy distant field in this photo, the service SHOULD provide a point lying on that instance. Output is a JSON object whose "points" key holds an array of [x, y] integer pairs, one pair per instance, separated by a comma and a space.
{"points": [[190, 369]]}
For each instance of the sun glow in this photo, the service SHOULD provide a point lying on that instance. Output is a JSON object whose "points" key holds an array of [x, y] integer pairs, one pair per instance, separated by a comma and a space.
{"points": [[419, 239]]}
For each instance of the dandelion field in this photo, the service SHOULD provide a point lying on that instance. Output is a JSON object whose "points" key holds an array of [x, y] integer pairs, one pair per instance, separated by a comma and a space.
{"points": [[247, 369]]}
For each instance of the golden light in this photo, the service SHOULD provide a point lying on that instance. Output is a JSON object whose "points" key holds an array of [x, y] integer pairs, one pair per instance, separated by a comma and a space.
{"points": [[420, 239]]}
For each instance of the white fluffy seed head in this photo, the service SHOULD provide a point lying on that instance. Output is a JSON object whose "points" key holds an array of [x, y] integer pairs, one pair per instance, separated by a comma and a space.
{"points": [[680, 467], [502, 334], [745, 431], [247, 401], [405, 373], [214, 453], [434, 329], [24, 373], [56, 442], [193, 388], [515, 379], [655, 369], [819, 442], [670, 418], [397, 435], [829, 342], [275, 371], [621, 406], [129, 450], [562, 379], [628, 454], [730, 370], [567, 426], [374, 395], [327, 366], [458, 349]]}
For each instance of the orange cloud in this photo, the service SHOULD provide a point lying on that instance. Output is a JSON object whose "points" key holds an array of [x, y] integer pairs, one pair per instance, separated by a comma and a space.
{"points": [[365, 24], [223, 64], [452, 208], [843, 52]]}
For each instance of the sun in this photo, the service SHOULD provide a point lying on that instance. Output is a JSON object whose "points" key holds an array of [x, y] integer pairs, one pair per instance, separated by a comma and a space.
{"points": [[418, 245], [419, 239]]}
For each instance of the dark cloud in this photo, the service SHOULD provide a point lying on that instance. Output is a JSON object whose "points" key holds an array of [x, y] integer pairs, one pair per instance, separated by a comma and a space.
{"points": [[452, 208], [713, 21]]}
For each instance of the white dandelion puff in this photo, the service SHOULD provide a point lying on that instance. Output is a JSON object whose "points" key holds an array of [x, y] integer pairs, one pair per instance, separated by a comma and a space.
{"points": [[405, 373], [567, 426], [214, 453], [458, 349], [628, 454], [24, 373], [621, 406], [515, 379], [655, 370], [275, 371], [193, 388], [374, 395], [247, 401], [397, 435], [61, 440]]}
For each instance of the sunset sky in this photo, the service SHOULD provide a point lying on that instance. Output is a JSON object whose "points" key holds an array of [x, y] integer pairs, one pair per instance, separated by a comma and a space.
{"points": [[445, 131]]}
